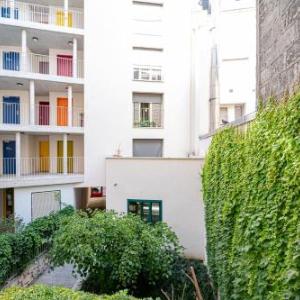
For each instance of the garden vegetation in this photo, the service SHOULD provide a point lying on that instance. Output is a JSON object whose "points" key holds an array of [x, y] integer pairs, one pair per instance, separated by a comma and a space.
{"points": [[40, 292], [115, 252], [19, 248], [251, 184]]}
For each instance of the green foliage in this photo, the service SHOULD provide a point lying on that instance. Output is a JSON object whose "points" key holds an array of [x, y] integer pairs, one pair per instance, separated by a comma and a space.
{"points": [[251, 184], [40, 292], [116, 252], [181, 286], [18, 249]]}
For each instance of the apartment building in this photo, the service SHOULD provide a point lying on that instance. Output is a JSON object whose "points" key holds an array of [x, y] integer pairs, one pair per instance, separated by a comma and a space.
{"points": [[41, 105]]}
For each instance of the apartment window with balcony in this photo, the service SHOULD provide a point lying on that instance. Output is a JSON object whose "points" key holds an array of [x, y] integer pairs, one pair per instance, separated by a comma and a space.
{"points": [[147, 148], [149, 210], [148, 112]]}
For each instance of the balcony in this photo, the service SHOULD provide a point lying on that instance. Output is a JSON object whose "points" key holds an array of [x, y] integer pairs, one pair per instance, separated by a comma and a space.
{"points": [[27, 170], [147, 73], [45, 115], [59, 65], [37, 159], [42, 14], [148, 115]]}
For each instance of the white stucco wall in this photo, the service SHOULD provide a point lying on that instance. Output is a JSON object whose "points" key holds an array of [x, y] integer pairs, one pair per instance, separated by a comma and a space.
{"points": [[109, 64], [176, 182], [23, 198]]}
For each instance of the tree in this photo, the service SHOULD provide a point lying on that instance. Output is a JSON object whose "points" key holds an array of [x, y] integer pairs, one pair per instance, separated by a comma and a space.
{"points": [[114, 251]]}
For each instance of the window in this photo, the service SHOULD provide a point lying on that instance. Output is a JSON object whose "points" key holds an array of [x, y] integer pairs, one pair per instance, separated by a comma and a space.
{"points": [[147, 148], [149, 210], [238, 111], [147, 73], [44, 203], [147, 110], [224, 115]]}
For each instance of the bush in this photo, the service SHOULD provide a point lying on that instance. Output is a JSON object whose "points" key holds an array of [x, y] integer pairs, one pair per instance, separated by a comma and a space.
{"points": [[251, 185], [40, 292], [117, 252], [181, 286], [18, 249]]}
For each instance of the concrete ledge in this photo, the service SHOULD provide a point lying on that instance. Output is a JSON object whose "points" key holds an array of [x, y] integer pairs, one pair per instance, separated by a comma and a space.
{"points": [[25, 181], [155, 158]]}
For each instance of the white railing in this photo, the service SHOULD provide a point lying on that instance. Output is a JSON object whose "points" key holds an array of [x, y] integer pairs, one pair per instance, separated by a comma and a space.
{"points": [[47, 115], [13, 113], [42, 14], [147, 73], [78, 117], [40, 64], [39, 166], [148, 117]]}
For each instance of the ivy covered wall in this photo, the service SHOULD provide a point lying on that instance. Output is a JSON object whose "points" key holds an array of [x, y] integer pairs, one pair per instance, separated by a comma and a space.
{"points": [[251, 185]]}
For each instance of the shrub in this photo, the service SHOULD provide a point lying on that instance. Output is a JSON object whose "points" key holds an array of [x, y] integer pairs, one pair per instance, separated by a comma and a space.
{"points": [[181, 286], [252, 199], [40, 292], [115, 252], [18, 249]]}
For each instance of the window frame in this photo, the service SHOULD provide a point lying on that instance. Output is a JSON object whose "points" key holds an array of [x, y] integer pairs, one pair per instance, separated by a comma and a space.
{"points": [[41, 192], [149, 202]]}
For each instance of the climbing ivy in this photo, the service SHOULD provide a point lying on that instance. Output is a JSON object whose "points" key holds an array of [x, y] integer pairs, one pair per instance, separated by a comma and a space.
{"points": [[251, 184]]}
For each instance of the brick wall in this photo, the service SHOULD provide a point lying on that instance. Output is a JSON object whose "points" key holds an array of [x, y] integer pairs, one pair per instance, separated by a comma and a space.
{"points": [[278, 46]]}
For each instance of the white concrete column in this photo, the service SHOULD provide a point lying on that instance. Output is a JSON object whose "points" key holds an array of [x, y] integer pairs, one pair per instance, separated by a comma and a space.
{"points": [[65, 153], [24, 51], [18, 154], [66, 12], [70, 106], [12, 9], [32, 102], [75, 57]]}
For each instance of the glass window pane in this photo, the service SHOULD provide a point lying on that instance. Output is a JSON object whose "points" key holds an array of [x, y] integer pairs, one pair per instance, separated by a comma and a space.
{"points": [[156, 213], [146, 212]]}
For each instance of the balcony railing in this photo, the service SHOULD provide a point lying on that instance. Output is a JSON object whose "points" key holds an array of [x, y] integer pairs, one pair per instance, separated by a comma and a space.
{"points": [[148, 117], [45, 115], [42, 14], [40, 166], [147, 73], [41, 64], [13, 113]]}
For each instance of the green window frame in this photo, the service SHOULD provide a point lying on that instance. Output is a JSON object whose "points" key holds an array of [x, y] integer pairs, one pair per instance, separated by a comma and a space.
{"points": [[146, 209]]}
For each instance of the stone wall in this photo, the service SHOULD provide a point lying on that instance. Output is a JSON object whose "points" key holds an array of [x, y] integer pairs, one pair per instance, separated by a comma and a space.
{"points": [[37, 267], [278, 46]]}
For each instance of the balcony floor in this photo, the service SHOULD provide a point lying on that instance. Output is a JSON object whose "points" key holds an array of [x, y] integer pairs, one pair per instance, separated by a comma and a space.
{"points": [[10, 181]]}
